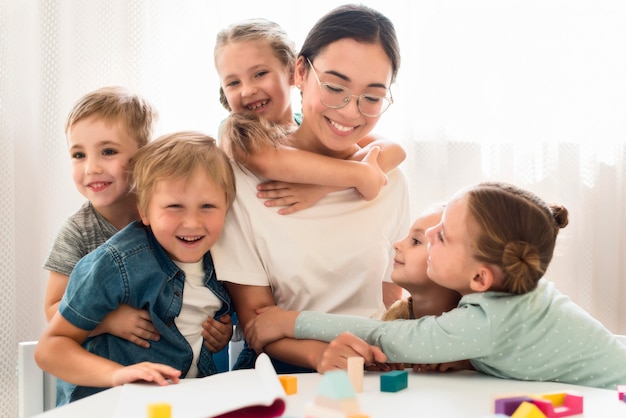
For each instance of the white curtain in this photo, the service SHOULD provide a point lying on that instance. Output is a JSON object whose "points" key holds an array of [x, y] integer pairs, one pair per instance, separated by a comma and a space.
{"points": [[530, 92]]}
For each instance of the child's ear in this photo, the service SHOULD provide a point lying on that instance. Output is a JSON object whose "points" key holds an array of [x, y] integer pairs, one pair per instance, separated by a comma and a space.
{"points": [[144, 219], [483, 280]]}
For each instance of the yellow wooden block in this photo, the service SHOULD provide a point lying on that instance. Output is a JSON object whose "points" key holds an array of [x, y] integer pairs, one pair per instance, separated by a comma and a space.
{"points": [[290, 384], [159, 410], [528, 410]]}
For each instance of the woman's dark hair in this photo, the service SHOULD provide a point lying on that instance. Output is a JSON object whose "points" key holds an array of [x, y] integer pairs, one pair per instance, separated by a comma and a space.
{"points": [[358, 22]]}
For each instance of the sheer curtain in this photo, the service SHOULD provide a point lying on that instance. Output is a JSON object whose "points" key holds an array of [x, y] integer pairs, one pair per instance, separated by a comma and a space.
{"points": [[531, 92]]}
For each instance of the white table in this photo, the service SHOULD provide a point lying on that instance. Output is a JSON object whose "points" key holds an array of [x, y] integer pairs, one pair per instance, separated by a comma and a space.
{"points": [[458, 395]]}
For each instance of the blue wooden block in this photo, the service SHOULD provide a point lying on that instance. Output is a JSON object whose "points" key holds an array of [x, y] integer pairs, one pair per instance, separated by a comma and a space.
{"points": [[394, 381]]}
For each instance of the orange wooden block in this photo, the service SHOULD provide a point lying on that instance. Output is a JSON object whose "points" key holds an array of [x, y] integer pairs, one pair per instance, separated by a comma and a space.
{"points": [[290, 384], [159, 410]]}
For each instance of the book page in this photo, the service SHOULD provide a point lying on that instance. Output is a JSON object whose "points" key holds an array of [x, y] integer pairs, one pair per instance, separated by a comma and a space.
{"points": [[210, 396]]}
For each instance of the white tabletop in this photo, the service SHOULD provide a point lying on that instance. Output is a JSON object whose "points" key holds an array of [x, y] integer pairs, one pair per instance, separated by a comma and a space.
{"points": [[458, 395]]}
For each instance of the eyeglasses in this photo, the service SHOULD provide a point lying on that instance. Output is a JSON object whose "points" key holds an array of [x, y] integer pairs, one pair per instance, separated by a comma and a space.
{"points": [[336, 96]]}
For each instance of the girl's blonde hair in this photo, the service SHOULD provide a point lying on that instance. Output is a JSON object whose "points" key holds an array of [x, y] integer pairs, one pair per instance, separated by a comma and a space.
{"points": [[258, 30], [115, 104], [516, 231], [176, 156], [247, 133]]}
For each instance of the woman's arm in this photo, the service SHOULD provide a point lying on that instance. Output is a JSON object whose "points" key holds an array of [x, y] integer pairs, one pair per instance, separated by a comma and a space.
{"points": [[247, 300]]}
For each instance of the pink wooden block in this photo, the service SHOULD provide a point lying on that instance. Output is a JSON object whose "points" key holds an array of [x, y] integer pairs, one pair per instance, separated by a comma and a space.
{"points": [[557, 405]]}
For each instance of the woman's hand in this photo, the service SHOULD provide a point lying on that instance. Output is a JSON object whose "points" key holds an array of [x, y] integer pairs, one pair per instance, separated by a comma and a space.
{"points": [[217, 333], [271, 324]]}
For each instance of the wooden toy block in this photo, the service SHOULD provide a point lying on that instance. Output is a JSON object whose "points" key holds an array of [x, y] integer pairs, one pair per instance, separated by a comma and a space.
{"points": [[560, 404], [159, 410], [355, 372], [290, 384], [508, 405], [394, 381], [336, 385], [528, 410], [335, 393], [621, 390], [317, 411]]}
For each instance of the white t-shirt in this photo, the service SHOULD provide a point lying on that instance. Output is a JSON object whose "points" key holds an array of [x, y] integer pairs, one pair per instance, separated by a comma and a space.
{"points": [[332, 257], [199, 302]]}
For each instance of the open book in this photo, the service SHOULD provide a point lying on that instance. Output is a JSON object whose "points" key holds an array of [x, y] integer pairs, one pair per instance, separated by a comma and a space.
{"points": [[240, 393]]}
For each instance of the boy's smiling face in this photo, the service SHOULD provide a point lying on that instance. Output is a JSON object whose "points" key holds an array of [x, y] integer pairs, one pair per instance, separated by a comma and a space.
{"points": [[186, 215], [100, 151]]}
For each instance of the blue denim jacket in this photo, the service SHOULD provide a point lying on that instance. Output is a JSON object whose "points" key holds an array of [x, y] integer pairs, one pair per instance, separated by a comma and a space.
{"points": [[132, 268]]}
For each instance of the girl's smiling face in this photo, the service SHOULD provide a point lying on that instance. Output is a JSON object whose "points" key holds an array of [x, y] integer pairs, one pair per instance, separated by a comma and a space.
{"points": [[254, 79], [411, 260]]}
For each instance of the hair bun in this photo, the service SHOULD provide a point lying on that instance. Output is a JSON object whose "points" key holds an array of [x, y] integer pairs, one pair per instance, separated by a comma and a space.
{"points": [[521, 261], [560, 215]]}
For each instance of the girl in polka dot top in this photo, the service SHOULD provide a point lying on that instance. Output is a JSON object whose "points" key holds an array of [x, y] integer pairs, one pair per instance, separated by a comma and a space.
{"points": [[493, 245]]}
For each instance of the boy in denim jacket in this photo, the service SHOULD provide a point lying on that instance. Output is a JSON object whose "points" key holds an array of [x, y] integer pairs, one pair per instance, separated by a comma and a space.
{"points": [[162, 263]]}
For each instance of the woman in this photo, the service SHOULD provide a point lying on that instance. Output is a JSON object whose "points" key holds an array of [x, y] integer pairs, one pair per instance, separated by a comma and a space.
{"points": [[336, 256]]}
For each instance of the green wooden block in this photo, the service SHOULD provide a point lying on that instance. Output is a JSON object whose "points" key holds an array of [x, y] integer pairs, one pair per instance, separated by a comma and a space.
{"points": [[394, 381]]}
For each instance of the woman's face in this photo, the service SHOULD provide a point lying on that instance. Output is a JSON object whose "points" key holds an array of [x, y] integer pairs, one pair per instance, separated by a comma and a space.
{"points": [[360, 67]]}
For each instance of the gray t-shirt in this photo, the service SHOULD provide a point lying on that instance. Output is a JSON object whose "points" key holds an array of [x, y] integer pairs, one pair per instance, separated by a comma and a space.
{"points": [[541, 335], [81, 233]]}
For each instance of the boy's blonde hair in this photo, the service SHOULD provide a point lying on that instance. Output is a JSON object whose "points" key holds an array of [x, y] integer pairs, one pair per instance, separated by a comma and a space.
{"points": [[258, 30], [116, 104], [176, 156]]}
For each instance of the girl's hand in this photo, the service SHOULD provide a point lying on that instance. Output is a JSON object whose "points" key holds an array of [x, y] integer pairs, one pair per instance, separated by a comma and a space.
{"points": [[271, 324], [217, 333], [134, 325], [160, 374], [294, 196], [349, 345], [373, 178]]}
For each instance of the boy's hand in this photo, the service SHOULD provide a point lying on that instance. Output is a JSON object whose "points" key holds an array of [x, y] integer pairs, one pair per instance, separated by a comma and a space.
{"points": [[217, 334], [294, 196], [271, 324], [130, 324], [160, 374], [349, 345]]}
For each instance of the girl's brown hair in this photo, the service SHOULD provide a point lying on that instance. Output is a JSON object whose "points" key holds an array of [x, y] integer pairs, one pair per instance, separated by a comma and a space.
{"points": [[516, 231]]}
